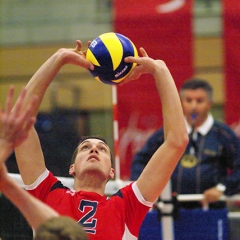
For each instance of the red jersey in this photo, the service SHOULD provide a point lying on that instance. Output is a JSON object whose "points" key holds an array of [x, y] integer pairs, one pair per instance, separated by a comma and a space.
{"points": [[116, 217]]}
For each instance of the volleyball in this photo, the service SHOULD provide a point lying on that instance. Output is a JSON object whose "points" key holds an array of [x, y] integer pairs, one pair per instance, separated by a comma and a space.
{"points": [[107, 53]]}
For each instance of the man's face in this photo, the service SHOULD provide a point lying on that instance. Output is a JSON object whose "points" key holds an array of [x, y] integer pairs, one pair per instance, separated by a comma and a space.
{"points": [[196, 102], [93, 157]]}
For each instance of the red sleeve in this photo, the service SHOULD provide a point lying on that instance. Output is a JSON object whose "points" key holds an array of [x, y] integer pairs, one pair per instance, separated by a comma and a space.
{"points": [[42, 189], [136, 208]]}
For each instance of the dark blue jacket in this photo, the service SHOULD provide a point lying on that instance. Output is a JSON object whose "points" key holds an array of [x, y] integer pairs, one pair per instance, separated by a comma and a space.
{"points": [[218, 153]]}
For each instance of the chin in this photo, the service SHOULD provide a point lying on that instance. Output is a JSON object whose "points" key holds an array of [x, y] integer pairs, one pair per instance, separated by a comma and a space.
{"points": [[96, 172]]}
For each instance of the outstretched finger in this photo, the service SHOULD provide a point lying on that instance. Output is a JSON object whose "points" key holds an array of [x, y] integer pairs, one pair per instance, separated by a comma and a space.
{"points": [[9, 99], [132, 59], [143, 52], [89, 43], [19, 102], [79, 45], [28, 111]]}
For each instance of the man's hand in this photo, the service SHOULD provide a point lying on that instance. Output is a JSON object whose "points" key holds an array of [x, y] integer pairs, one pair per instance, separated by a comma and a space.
{"points": [[145, 65], [76, 56], [211, 195], [14, 123]]}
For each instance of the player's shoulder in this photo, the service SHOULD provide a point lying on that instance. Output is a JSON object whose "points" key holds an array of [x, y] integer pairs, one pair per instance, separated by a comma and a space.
{"points": [[123, 191]]}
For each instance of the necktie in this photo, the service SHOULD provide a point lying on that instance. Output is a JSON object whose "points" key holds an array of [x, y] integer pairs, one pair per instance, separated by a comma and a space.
{"points": [[193, 135], [193, 142]]}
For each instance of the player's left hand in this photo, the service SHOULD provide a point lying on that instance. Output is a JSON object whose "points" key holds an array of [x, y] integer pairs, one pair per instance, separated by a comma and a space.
{"points": [[145, 65]]}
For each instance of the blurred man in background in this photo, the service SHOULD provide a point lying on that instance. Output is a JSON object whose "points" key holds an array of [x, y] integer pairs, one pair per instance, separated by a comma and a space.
{"points": [[212, 151]]}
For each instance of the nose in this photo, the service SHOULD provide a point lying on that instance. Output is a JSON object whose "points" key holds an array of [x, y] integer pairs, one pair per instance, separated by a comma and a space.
{"points": [[94, 149], [193, 105]]}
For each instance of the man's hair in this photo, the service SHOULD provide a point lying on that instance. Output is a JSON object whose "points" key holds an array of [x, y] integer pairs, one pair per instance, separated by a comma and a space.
{"points": [[61, 228], [83, 138], [196, 83]]}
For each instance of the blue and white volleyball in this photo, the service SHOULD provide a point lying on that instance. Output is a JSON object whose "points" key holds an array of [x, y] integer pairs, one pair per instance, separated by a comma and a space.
{"points": [[107, 53]]}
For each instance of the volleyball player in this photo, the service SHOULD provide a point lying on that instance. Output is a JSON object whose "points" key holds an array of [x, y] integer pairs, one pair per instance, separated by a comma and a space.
{"points": [[118, 216]]}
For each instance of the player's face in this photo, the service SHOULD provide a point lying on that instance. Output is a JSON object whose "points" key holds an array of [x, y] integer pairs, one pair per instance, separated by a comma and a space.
{"points": [[93, 157], [196, 102]]}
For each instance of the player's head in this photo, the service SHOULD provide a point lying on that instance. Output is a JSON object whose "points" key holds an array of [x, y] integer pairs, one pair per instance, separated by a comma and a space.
{"points": [[90, 137], [92, 156], [196, 97], [59, 228]]}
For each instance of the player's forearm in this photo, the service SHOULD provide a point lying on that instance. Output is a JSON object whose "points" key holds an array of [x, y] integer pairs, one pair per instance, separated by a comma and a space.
{"points": [[40, 81], [159, 169], [30, 158], [173, 118], [32, 209]]}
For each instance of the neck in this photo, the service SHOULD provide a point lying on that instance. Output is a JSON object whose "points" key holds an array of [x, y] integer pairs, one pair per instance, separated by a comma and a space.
{"points": [[90, 184]]}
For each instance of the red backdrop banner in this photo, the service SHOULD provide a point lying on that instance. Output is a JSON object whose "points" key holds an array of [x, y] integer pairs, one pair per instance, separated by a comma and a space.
{"points": [[164, 29], [231, 40]]}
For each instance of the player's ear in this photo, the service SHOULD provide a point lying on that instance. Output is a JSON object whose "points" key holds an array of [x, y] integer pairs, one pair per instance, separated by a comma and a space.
{"points": [[111, 174], [72, 170]]}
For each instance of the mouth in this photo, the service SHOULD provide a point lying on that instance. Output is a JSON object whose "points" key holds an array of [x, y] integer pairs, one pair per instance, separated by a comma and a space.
{"points": [[193, 116], [93, 157]]}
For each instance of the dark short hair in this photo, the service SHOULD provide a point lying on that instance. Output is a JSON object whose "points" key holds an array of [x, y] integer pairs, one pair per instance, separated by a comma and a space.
{"points": [[196, 83], [83, 138]]}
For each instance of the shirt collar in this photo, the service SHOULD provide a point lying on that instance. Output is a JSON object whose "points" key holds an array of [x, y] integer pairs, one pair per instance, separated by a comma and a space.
{"points": [[204, 128]]}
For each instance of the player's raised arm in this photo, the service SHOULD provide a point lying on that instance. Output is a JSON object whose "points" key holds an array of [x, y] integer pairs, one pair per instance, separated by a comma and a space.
{"points": [[159, 169], [29, 154], [14, 128], [15, 124]]}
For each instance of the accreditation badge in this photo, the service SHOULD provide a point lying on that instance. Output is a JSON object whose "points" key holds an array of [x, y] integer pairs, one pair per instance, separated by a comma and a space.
{"points": [[188, 161]]}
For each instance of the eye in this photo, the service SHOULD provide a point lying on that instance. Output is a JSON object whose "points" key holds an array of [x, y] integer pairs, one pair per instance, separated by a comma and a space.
{"points": [[84, 147], [103, 149], [200, 100]]}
